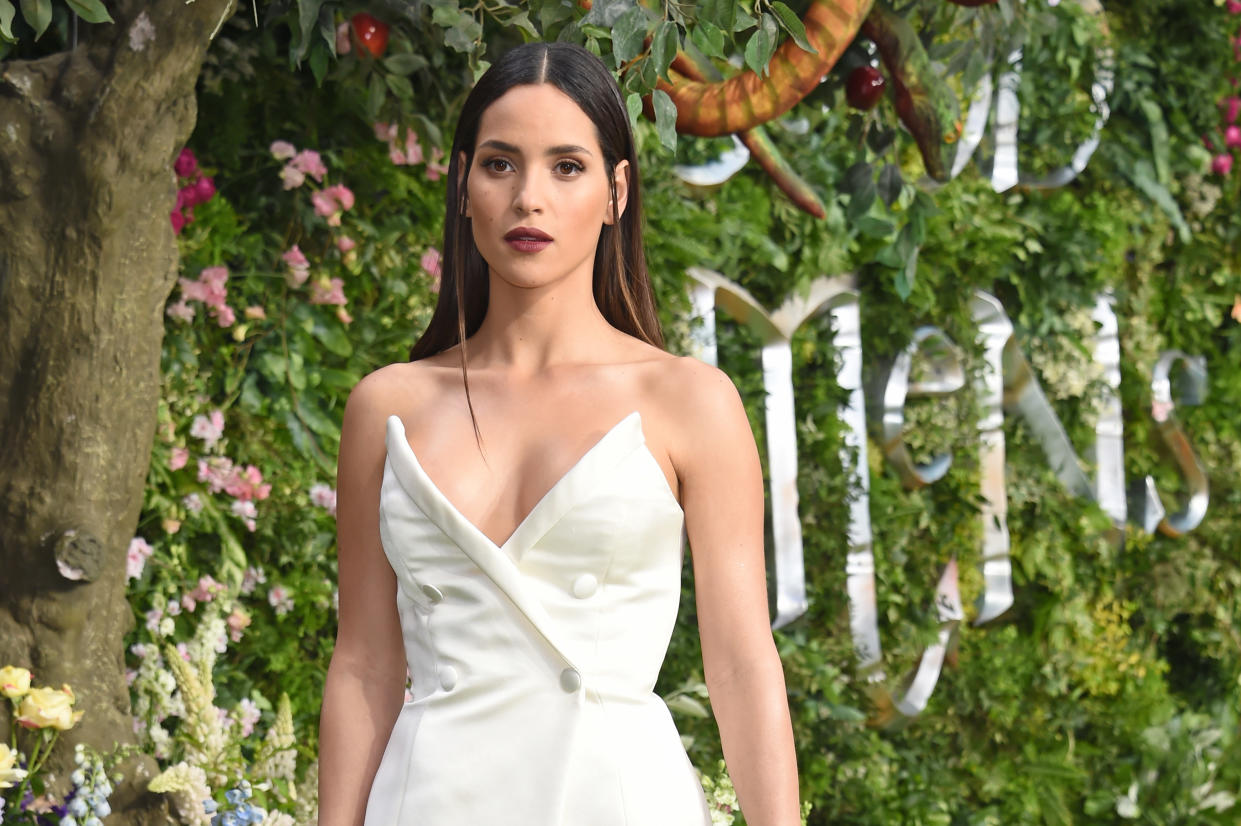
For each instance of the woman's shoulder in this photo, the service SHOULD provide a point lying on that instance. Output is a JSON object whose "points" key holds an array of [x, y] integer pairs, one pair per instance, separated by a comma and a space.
{"points": [[395, 387]]}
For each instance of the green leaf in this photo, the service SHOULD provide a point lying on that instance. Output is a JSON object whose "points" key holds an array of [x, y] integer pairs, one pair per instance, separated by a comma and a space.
{"points": [[38, 14], [708, 38], [1159, 138], [890, 183], [319, 62], [7, 13], [723, 13], [873, 227], [664, 47], [1143, 177], [606, 12], [627, 36], [92, 11], [376, 93], [634, 104], [400, 86], [316, 419], [307, 17], [665, 119], [404, 63], [685, 704], [793, 25], [742, 21], [333, 338], [522, 21], [905, 278]]}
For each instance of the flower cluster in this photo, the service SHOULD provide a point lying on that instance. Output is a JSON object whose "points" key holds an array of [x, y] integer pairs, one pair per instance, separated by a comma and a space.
{"points": [[194, 188], [42, 714], [1230, 129], [208, 289], [409, 152], [87, 803]]}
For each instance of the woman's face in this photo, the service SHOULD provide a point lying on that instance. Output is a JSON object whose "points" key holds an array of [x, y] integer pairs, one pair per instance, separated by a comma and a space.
{"points": [[537, 192]]}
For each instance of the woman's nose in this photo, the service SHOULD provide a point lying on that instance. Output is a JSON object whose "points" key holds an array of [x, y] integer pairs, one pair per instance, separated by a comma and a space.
{"points": [[530, 194]]}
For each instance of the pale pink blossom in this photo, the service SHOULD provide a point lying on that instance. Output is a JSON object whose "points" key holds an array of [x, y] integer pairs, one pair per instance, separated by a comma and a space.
{"points": [[237, 623], [209, 428], [278, 597], [247, 715], [245, 509], [308, 162], [193, 502], [282, 150], [153, 619], [434, 168], [431, 262], [136, 556], [344, 316], [344, 243], [174, 608], [292, 177], [385, 131], [184, 650], [323, 202], [170, 526], [331, 291], [324, 497], [180, 310], [344, 45], [251, 578], [207, 589], [189, 603], [299, 267], [209, 289], [342, 194], [178, 458]]}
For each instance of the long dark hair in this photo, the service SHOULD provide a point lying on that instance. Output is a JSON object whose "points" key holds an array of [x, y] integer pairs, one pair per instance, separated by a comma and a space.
{"points": [[622, 286]]}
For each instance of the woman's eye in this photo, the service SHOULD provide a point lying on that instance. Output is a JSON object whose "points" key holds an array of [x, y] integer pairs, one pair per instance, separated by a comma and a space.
{"points": [[497, 165], [568, 167]]}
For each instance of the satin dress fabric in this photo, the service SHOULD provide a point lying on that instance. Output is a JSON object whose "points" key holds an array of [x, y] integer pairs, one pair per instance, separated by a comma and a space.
{"points": [[534, 662]]}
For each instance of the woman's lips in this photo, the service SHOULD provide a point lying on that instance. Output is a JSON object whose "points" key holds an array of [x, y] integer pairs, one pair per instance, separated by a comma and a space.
{"points": [[527, 239]]}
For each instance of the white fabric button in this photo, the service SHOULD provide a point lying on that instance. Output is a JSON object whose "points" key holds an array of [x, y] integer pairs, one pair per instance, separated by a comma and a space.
{"points": [[585, 586], [434, 594], [448, 677], [570, 680]]}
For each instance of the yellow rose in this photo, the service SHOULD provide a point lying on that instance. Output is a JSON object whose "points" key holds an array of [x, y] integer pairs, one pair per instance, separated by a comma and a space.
{"points": [[9, 773], [14, 682], [48, 708]]}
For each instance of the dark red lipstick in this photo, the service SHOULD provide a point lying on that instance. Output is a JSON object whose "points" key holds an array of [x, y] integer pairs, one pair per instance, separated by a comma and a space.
{"points": [[527, 239]]}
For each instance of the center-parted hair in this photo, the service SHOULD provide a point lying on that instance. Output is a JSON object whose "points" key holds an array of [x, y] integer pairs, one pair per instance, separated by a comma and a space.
{"points": [[622, 287]]}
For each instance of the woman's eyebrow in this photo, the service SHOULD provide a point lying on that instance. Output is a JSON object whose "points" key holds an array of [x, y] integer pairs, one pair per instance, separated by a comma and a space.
{"points": [[563, 149]]}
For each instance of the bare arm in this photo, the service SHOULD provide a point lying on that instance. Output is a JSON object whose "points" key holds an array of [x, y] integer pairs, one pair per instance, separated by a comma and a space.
{"points": [[722, 493], [366, 678]]}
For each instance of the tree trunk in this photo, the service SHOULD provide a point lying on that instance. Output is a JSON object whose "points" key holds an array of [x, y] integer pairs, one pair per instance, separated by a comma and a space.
{"points": [[87, 260]]}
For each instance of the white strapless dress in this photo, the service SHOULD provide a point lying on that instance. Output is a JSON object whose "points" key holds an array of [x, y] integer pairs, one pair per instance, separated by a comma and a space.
{"points": [[534, 662]]}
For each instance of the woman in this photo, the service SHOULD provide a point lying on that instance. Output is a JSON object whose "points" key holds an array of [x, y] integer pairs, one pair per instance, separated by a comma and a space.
{"points": [[513, 502]]}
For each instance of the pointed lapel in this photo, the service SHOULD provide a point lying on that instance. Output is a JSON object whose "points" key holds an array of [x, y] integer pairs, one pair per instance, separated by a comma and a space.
{"points": [[500, 563]]}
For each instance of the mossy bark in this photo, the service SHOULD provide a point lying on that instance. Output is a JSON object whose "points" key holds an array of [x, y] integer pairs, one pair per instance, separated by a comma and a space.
{"points": [[87, 260]]}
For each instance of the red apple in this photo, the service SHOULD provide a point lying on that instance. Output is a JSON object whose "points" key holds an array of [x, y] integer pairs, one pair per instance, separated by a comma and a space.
{"points": [[371, 33], [864, 87]]}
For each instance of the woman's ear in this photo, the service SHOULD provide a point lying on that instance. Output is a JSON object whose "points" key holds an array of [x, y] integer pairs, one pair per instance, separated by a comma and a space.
{"points": [[620, 179], [463, 196]]}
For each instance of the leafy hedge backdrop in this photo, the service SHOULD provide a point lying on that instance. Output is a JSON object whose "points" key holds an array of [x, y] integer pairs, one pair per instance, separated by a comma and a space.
{"points": [[310, 214]]}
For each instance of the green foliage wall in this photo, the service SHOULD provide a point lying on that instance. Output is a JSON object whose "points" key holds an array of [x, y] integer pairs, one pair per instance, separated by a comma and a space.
{"points": [[1109, 692]]}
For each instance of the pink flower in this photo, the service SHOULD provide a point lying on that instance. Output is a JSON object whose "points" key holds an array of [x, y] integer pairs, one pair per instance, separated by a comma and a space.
{"points": [[299, 267], [188, 602], [204, 189], [329, 292], [192, 501], [186, 164], [181, 310], [292, 177], [208, 428], [343, 44], [1232, 108], [344, 316], [1221, 165], [179, 457], [434, 168], [344, 243], [431, 262], [209, 289], [282, 150], [237, 622], [1234, 6], [1232, 136], [136, 556], [323, 202], [248, 513], [324, 497], [207, 589], [278, 597], [153, 618], [385, 131], [250, 578], [178, 221], [342, 195], [308, 162]]}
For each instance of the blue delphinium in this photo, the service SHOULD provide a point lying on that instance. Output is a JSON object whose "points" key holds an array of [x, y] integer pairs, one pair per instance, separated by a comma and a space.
{"points": [[238, 811], [87, 804]]}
